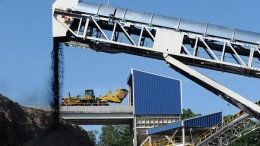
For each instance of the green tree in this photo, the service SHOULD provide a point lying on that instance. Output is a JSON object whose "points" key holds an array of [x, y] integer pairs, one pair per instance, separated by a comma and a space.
{"points": [[187, 113], [227, 117], [92, 136], [114, 135], [125, 135]]}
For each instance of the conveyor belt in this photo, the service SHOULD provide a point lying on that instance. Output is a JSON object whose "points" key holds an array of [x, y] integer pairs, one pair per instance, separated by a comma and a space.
{"points": [[115, 30]]}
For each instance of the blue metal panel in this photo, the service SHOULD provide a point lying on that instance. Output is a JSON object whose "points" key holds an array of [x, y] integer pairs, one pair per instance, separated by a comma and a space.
{"points": [[204, 121], [201, 121], [155, 94], [164, 128]]}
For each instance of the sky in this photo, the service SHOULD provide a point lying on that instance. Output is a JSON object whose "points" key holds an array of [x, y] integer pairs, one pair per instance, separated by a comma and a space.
{"points": [[26, 44]]}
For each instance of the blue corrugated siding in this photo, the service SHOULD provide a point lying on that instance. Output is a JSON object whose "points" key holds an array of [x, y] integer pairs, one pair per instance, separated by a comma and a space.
{"points": [[204, 121], [155, 94], [164, 128]]}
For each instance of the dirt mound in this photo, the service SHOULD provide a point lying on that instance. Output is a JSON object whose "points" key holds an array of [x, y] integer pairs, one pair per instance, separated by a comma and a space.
{"points": [[59, 134], [19, 125]]}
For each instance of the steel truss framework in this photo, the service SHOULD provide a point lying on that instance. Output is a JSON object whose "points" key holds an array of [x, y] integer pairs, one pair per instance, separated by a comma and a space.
{"points": [[228, 130], [117, 36], [229, 127], [235, 132], [231, 134], [110, 35]]}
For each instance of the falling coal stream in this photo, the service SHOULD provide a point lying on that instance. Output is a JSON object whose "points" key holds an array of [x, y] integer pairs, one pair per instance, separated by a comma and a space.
{"points": [[59, 132], [57, 78]]}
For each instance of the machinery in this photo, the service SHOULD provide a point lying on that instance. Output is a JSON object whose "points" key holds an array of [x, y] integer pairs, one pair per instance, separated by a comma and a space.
{"points": [[113, 98], [89, 99], [176, 41], [179, 42]]}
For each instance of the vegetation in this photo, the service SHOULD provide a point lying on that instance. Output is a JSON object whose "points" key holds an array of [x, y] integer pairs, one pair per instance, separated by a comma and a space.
{"points": [[112, 135], [251, 139], [187, 113], [92, 136]]}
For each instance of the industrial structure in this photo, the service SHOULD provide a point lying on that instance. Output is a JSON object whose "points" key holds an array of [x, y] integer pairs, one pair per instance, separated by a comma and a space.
{"points": [[179, 42], [154, 106], [182, 132], [156, 101]]}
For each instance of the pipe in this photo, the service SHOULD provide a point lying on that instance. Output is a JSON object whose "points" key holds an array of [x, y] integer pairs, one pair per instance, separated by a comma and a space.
{"points": [[170, 22]]}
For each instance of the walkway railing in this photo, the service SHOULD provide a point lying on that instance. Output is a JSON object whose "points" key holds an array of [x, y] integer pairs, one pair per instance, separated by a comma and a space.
{"points": [[167, 141], [218, 127], [159, 142]]}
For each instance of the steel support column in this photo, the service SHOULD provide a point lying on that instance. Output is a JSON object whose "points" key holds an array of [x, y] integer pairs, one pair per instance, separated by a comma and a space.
{"points": [[183, 135]]}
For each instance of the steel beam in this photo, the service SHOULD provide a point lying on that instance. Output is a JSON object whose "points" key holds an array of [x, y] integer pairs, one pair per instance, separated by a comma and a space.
{"points": [[223, 130], [213, 86], [140, 39], [216, 48]]}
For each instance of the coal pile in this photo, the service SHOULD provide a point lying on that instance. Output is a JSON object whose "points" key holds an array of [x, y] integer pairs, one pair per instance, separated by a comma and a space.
{"points": [[59, 132], [19, 124], [61, 135], [28, 126]]}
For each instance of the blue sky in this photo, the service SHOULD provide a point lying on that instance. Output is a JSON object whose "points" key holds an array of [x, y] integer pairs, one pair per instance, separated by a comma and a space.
{"points": [[26, 43]]}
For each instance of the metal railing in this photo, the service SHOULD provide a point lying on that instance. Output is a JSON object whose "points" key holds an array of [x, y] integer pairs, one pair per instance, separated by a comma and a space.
{"points": [[218, 127], [84, 104], [159, 142]]}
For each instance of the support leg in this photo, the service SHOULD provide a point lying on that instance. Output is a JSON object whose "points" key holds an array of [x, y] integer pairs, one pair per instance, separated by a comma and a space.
{"points": [[183, 136]]}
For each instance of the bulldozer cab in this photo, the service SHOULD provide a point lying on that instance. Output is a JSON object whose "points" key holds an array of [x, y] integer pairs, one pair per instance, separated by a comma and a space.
{"points": [[90, 92]]}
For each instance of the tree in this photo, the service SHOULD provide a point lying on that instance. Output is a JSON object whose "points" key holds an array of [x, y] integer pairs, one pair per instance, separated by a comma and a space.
{"points": [[114, 135], [187, 113], [92, 136], [124, 131]]}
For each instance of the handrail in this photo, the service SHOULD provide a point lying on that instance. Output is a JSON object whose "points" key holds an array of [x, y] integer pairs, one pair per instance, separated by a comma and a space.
{"points": [[218, 126], [84, 104], [208, 133], [158, 142]]}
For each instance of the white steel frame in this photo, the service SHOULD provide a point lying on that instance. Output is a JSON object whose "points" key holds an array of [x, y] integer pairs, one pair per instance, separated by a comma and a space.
{"points": [[245, 56], [242, 55], [233, 133], [105, 39]]}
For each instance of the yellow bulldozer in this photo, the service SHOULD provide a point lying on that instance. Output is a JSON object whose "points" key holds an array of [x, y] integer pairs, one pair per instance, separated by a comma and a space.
{"points": [[89, 99]]}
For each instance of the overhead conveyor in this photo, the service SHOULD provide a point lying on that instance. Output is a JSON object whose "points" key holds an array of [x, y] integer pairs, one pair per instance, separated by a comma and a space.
{"points": [[179, 42]]}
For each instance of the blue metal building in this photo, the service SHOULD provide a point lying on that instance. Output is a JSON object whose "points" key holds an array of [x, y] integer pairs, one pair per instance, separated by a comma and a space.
{"points": [[156, 101], [157, 108], [154, 95]]}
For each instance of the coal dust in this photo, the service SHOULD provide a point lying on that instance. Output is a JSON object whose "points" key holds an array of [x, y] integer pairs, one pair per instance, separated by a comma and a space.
{"points": [[57, 78]]}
